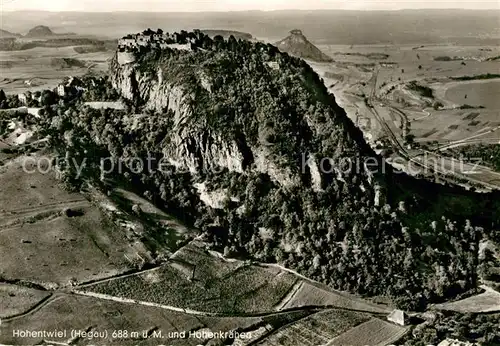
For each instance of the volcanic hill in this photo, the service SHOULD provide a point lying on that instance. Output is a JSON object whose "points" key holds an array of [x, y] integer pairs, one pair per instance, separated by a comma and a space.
{"points": [[298, 45], [40, 31], [257, 155], [8, 34]]}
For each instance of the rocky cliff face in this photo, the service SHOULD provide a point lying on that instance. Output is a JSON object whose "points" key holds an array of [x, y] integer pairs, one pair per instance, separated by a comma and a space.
{"points": [[193, 146], [187, 149]]}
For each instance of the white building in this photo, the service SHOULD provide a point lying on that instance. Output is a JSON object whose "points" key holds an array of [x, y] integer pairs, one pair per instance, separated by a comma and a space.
{"points": [[61, 90], [22, 98], [453, 342], [398, 317]]}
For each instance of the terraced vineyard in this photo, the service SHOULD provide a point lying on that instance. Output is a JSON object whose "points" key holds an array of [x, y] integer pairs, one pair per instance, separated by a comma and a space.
{"points": [[374, 332], [217, 286], [317, 329]]}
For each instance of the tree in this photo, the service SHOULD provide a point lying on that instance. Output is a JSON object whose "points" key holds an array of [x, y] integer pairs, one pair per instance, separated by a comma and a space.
{"points": [[437, 105], [410, 138], [48, 98]]}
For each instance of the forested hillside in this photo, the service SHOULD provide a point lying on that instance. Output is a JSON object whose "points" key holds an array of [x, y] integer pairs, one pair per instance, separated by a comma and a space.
{"points": [[252, 125]]}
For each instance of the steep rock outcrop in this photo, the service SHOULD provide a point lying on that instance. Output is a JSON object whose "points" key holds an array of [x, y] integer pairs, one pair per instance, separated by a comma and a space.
{"points": [[186, 149], [195, 146]]}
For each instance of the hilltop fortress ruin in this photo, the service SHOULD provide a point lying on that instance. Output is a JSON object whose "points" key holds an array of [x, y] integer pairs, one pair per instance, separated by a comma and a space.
{"points": [[150, 39]]}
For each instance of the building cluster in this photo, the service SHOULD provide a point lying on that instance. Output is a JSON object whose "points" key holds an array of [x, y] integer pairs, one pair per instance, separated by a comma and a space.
{"points": [[151, 38], [73, 86], [26, 97]]}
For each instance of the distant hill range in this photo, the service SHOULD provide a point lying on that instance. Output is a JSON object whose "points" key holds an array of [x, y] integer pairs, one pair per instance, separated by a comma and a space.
{"points": [[8, 34], [44, 31], [40, 31], [325, 27], [298, 45], [226, 33]]}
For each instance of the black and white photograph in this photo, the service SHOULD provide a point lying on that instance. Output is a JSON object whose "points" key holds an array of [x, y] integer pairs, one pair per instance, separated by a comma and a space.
{"points": [[250, 173]]}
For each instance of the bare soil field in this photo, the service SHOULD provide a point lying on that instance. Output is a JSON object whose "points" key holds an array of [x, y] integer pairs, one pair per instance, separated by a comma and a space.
{"points": [[41, 243], [374, 332], [64, 312], [41, 65], [15, 300], [355, 73], [317, 329], [486, 302], [453, 125], [62, 250], [311, 295], [484, 93], [215, 288], [21, 191], [70, 312]]}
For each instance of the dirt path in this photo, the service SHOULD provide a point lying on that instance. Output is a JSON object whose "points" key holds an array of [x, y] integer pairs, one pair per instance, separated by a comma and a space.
{"points": [[40, 305], [45, 207], [140, 302], [289, 296], [119, 276], [327, 289]]}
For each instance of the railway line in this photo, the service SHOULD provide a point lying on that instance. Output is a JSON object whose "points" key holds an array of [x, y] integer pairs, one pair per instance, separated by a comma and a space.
{"points": [[403, 152]]}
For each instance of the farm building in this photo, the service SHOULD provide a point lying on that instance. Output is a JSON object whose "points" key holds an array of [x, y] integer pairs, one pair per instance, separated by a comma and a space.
{"points": [[389, 64], [61, 90], [274, 65], [22, 98], [398, 317], [127, 42], [72, 86]]}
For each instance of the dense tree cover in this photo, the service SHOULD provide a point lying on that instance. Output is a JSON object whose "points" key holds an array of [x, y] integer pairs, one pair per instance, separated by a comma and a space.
{"points": [[6, 117], [484, 154], [8, 101], [98, 89], [476, 77], [419, 247], [423, 90], [480, 328]]}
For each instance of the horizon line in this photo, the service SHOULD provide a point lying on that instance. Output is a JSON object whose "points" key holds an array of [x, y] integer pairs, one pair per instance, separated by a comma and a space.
{"points": [[264, 11]]}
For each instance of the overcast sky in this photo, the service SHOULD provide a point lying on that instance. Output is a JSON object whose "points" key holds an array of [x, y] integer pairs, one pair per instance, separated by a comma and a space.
{"points": [[238, 5]]}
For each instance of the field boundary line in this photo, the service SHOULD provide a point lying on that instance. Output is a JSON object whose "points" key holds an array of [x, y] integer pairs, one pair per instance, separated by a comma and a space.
{"points": [[140, 302], [19, 212], [317, 284], [120, 276], [217, 314], [38, 306], [290, 295]]}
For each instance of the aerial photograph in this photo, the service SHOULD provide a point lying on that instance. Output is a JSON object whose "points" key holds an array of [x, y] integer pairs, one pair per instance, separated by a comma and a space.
{"points": [[236, 172]]}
